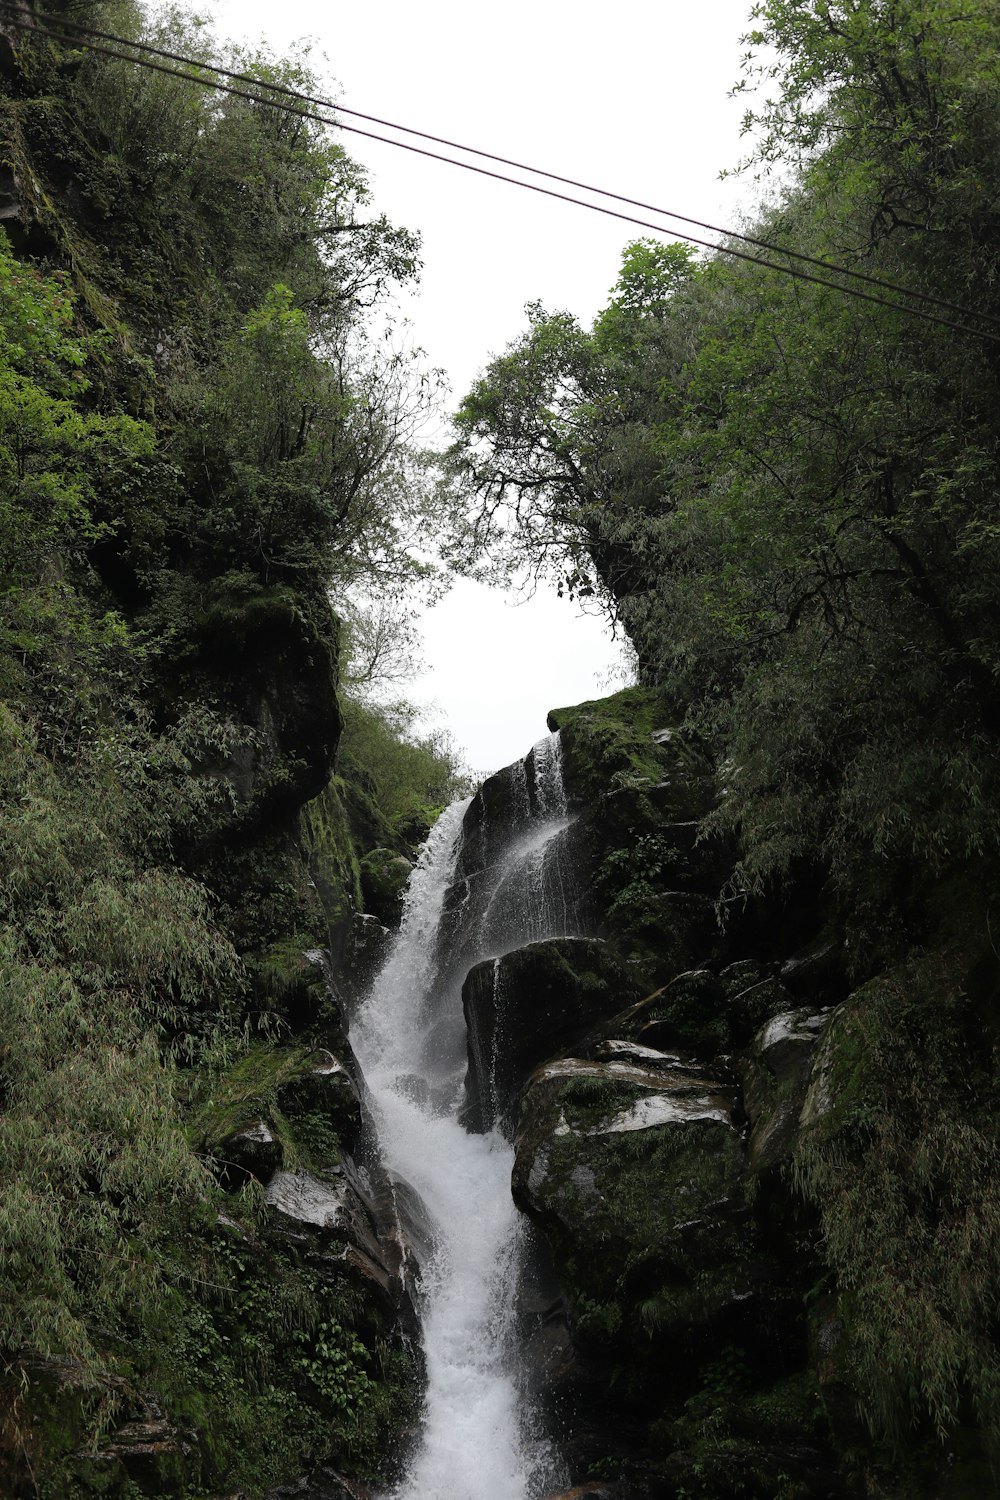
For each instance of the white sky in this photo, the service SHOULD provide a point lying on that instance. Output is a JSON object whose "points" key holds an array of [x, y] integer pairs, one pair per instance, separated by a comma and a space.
{"points": [[632, 97]]}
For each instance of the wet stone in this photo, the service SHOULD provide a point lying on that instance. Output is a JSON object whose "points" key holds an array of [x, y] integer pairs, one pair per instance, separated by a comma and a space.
{"points": [[527, 1006], [776, 1072]]}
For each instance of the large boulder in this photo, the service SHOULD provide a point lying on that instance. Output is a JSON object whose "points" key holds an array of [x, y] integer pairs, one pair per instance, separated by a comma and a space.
{"points": [[632, 1165], [323, 1090], [643, 787], [253, 1151], [278, 1103], [521, 874], [528, 1005], [369, 1226], [697, 1012], [776, 1075]]}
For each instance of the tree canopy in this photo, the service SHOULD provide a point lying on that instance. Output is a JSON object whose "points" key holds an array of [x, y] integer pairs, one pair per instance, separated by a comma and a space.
{"points": [[783, 493]]}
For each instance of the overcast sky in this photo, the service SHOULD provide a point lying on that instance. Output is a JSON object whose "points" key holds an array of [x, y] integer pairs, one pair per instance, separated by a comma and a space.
{"points": [[631, 97]]}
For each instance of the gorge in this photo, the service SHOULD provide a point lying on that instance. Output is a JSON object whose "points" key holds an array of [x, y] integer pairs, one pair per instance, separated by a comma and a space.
{"points": [[626, 1126]]}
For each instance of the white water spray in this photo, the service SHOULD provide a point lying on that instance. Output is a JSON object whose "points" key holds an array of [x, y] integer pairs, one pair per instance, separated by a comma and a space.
{"points": [[477, 1440]]}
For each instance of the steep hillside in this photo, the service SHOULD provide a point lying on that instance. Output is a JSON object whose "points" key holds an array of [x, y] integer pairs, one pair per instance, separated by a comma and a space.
{"points": [[201, 450]]}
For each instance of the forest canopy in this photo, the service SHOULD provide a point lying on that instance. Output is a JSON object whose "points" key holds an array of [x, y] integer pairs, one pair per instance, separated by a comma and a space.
{"points": [[786, 494]]}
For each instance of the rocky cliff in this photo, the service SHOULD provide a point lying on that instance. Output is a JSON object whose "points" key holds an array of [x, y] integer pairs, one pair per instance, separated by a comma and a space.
{"points": [[709, 1129]]}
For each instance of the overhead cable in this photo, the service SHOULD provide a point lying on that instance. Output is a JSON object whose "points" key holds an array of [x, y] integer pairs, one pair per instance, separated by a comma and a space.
{"points": [[33, 28], [748, 239]]}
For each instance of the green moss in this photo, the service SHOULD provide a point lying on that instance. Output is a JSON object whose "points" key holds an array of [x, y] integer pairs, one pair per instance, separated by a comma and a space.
{"points": [[632, 1193], [589, 1100], [731, 1440], [384, 878], [325, 829], [239, 608], [259, 1367], [244, 1091], [278, 1369], [609, 743], [274, 1084], [285, 980]]}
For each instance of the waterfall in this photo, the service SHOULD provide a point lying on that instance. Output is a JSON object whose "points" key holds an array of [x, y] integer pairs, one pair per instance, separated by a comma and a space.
{"points": [[465, 903]]}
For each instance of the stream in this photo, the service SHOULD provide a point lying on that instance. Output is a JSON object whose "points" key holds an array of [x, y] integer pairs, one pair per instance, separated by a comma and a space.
{"points": [[478, 1438]]}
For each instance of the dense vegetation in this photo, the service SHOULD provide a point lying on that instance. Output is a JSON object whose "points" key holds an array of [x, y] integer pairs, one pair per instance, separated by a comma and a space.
{"points": [[203, 446], [787, 497], [786, 493], [783, 494]]}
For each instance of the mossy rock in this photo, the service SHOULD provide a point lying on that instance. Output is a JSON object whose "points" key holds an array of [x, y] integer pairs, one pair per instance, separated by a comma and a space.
{"points": [[643, 787], [743, 1436], [288, 981], [302, 1096], [240, 608], [321, 1090], [385, 874], [689, 1014], [897, 1153], [325, 829], [529, 1005], [608, 743], [369, 826], [633, 1173]]}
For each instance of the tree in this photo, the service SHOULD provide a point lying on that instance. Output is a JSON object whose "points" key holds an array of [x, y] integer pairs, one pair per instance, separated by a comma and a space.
{"points": [[785, 493], [554, 442]]}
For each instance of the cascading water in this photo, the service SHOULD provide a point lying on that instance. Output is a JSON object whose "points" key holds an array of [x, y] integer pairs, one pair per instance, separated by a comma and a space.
{"points": [[470, 898]]}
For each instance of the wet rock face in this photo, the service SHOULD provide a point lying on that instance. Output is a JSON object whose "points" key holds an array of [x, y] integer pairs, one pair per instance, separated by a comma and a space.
{"points": [[507, 804], [527, 1006], [365, 953], [776, 1074], [520, 876], [338, 1218], [632, 1160]]}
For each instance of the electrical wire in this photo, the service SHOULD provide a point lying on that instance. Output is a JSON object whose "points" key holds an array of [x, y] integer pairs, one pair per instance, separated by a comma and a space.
{"points": [[880, 282], [32, 28]]}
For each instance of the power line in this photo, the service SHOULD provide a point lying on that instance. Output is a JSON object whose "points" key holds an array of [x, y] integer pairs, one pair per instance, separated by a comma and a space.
{"points": [[722, 249], [748, 239]]}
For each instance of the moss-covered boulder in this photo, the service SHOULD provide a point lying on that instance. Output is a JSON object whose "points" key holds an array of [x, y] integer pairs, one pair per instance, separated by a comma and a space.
{"points": [[296, 1105], [632, 1166], [630, 740], [254, 1150], [385, 874], [363, 1222], [642, 787]]}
